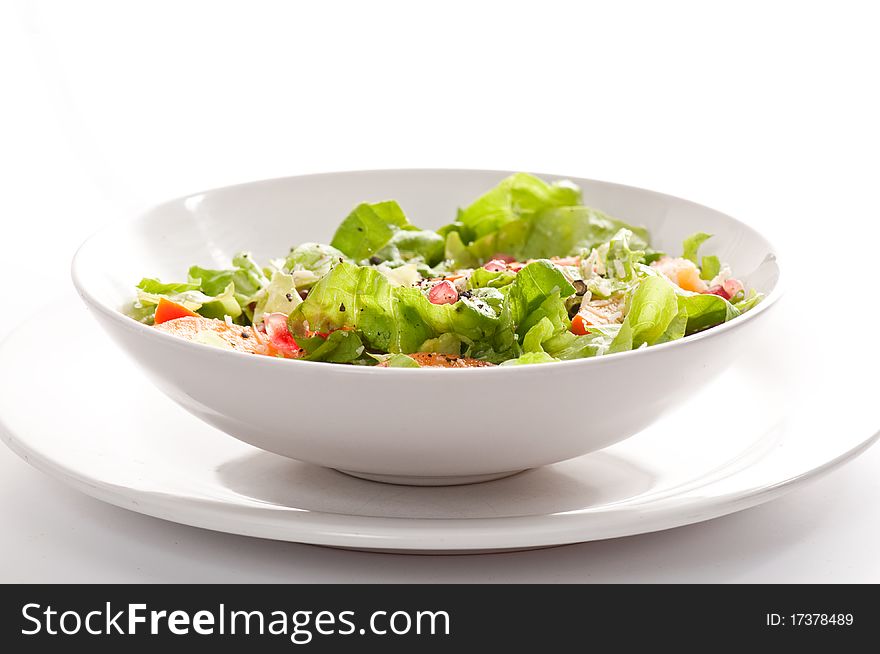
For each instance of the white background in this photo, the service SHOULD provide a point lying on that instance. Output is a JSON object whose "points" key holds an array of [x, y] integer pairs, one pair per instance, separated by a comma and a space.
{"points": [[766, 110]]}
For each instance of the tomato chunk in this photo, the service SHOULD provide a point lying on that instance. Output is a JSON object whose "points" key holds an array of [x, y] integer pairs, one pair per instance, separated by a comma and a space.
{"points": [[167, 310], [278, 333], [579, 325], [443, 293], [496, 265]]}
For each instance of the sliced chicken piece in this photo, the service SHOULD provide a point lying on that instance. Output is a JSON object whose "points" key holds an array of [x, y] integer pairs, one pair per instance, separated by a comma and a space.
{"points": [[222, 334]]}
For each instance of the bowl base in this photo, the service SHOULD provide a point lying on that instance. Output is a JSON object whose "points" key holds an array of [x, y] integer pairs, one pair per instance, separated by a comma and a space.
{"points": [[406, 480]]}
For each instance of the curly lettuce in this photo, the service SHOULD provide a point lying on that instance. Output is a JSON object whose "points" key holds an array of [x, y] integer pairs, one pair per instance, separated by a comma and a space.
{"points": [[388, 318], [381, 232], [527, 218]]}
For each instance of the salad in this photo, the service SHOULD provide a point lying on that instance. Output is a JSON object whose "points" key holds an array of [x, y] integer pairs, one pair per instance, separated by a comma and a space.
{"points": [[526, 274]]}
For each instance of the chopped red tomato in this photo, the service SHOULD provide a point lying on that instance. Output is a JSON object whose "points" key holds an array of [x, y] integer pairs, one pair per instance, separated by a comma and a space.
{"points": [[579, 325], [496, 265], [167, 310], [443, 293], [278, 333], [727, 290]]}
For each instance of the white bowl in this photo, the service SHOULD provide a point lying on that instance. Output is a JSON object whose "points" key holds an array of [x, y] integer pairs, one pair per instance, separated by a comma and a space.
{"points": [[384, 424]]}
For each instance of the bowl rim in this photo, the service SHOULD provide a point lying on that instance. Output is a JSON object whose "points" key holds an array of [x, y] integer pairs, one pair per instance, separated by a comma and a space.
{"points": [[126, 322]]}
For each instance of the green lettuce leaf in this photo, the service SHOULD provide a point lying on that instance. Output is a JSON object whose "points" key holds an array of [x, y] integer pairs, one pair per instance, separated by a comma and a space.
{"points": [[565, 345], [368, 228], [353, 297], [551, 334], [567, 230], [653, 316], [660, 313], [530, 358], [710, 265], [710, 268], [518, 196], [536, 293], [482, 278], [408, 244], [150, 291], [623, 254], [692, 244], [541, 331], [309, 262], [492, 296], [247, 279], [471, 319], [397, 360], [544, 344], [553, 311], [652, 255], [749, 301], [388, 318], [459, 253], [247, 276], [210, 282], [382, 230], [443, 344], [280, 296], [222, 305], [703, 311], [342, 346], [553, 232], [155, 287]]}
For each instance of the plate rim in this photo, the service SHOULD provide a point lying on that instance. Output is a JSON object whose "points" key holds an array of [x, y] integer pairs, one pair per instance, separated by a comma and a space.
{"points": [[402, 534], [337, 529]]}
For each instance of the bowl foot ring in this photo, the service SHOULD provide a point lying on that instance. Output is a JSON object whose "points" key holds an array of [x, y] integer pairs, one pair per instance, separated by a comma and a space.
{"points": [[406, 480]]}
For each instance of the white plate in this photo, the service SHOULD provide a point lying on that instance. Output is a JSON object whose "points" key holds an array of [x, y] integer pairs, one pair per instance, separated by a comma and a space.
{"points": [[85, 415]]}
